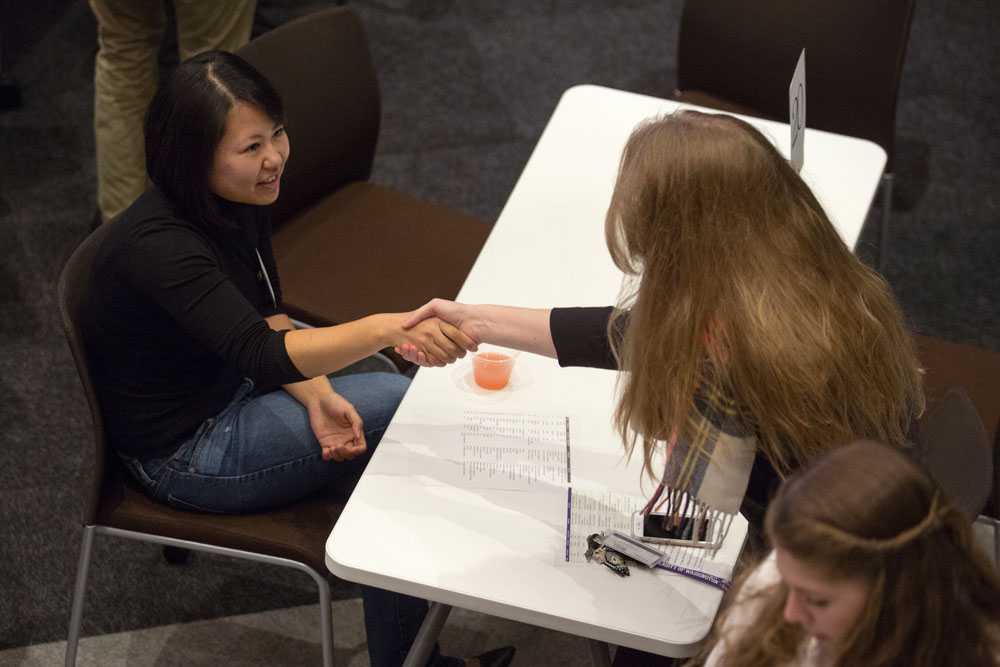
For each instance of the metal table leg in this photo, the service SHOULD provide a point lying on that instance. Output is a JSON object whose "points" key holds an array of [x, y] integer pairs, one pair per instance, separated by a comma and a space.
{"points": [[428, 634], [600, 654]]}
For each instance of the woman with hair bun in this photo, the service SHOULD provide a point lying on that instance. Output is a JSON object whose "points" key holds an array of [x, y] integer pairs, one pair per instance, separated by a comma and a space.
{"points": [[871, 568]]}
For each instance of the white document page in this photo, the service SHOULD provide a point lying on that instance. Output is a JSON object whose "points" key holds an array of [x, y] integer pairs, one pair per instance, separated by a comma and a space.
{"points": [[522, 448], [592, 511], [483, 449]]}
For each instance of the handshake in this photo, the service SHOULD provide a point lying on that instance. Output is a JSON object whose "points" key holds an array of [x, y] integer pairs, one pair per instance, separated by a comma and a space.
{"points": [[439, 332]]}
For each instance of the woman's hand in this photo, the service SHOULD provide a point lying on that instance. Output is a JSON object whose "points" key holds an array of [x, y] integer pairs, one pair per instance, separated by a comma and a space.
{"points": [[337, 426], [431, 341], [457, 317], [457, 314]]}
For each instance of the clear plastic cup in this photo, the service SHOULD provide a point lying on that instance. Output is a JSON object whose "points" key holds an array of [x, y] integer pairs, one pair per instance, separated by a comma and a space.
{"points": [[491, 367]]}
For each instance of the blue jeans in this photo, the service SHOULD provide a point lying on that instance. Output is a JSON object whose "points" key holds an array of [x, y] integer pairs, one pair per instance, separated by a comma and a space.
{"points": [[260, 452]]}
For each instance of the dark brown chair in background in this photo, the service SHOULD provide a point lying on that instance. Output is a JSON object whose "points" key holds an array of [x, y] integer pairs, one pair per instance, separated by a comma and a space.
{"points": [[347, 247], [739, 55], [957, 453], [977, 372], [974, 369], [293, 536]]}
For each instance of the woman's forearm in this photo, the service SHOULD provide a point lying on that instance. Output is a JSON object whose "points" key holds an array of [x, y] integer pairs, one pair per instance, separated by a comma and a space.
{"points": [[519, 328], [325, 350]]}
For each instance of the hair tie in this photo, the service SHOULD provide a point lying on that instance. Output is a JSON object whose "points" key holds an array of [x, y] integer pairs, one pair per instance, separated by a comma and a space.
{"points": [[926, 524]]}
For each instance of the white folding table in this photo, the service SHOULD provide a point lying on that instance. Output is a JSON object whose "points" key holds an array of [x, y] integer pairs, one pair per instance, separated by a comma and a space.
{"points": [[500, 551]]}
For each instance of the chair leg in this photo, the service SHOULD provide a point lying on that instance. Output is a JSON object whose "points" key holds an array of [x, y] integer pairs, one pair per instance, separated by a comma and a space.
{"points": [[326, 623], [325, 614], [76, 613], [886, 206]]}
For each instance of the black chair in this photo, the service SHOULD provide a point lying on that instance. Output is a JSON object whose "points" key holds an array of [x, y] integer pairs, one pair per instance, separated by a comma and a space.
{"points": [[293, 536], [977, 372], [956, 452], [739, 55], [346, 247]]}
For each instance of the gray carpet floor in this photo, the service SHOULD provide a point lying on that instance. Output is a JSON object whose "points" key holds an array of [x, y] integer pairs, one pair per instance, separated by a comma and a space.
{"points": [[468, 86], [289, 637]]}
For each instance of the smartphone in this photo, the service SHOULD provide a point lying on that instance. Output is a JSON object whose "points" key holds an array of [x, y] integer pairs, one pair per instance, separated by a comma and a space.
{"points": [[651, 528]]}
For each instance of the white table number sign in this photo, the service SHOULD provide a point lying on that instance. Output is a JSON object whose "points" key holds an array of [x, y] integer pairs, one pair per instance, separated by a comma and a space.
{"points": [[797, 112]]}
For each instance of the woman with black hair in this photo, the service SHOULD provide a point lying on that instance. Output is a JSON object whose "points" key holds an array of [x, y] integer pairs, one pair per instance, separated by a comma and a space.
{"points": [[211, 397]]}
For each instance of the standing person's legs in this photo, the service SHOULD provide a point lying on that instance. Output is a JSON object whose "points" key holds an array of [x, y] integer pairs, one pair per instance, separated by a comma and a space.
{"points": [[201, 25], [126, 73]]}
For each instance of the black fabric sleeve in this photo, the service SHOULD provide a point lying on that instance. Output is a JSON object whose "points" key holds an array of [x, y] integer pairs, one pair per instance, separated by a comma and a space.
{"points": [[181, 274], [580, 336]]}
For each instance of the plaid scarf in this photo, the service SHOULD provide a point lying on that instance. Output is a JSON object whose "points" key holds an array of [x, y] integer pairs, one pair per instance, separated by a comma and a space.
{"points": [[707, 469]]}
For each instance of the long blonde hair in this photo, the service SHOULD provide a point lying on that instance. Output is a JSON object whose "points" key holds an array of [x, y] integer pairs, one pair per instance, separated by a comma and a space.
{"points": [[866, 510], [737, 270]]}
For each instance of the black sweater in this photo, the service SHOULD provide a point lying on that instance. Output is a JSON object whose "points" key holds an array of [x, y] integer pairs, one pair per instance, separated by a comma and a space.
{"points": [[174, 322]]}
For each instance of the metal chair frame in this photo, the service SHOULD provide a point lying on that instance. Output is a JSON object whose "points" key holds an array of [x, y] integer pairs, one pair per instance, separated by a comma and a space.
{"points": [[83, 569]]}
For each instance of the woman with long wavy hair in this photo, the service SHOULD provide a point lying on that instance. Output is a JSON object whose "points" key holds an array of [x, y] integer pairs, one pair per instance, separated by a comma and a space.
{"points": [[750, 337], [871, 568]]}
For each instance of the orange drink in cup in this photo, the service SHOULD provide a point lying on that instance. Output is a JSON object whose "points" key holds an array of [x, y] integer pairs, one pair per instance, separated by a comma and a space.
{"points": [[491, 368]]}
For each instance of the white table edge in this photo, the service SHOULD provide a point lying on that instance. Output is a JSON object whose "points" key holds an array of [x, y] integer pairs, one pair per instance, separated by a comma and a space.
{"points": [[515, 613]]}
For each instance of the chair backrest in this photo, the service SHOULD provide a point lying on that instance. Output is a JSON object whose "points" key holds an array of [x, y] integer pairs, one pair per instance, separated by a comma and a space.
{"points": [[73, 284], [957, 452], [976, 370], [321, 66], [745, 51]]}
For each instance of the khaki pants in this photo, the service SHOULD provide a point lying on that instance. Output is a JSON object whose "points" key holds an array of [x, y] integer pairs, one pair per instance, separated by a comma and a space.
{"points": [[130, 34]]}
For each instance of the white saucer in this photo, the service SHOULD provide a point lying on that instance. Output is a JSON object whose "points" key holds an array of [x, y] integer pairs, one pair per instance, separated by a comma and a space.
{"points": [[464, 379]]}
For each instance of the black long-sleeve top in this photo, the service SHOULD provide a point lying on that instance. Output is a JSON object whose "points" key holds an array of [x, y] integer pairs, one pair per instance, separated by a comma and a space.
{"points": [[174, 322]]}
